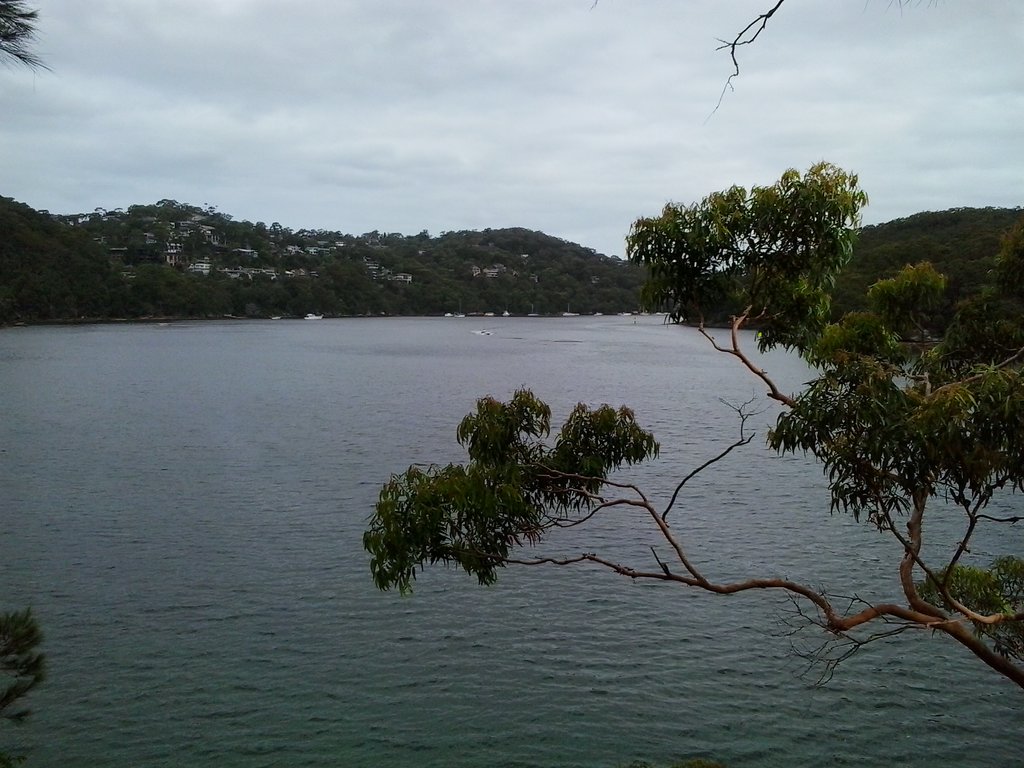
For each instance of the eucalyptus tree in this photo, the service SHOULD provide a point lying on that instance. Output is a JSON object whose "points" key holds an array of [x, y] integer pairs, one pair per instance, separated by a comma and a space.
{"points": [[901, 429]]}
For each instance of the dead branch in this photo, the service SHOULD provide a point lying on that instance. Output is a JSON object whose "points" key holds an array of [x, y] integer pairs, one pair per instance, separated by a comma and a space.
{"points": [[745, 36], [743, 439]]}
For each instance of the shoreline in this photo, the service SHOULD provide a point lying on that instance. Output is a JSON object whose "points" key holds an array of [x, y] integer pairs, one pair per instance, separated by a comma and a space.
{"points": [[156, 319]]}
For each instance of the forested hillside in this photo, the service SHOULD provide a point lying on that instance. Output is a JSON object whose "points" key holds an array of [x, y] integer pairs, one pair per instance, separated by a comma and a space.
{"points": [[171, 259], [961, 243], [49, 270]]}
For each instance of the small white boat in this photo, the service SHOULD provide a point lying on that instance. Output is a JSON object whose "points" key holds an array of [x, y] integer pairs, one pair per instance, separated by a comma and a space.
{"points": [[311, 316]]}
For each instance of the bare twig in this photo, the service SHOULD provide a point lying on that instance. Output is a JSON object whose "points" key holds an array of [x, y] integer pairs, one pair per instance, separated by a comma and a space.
{"points": [[1011, 520], [745, 36], [743, 440], [962, 547]]}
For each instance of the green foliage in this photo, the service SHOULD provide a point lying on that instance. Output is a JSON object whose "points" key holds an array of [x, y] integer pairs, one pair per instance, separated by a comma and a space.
{"points": [[49, 271], [113, 264], [852, 418], [887, 424], [22, 668], [986, 330], [894, 426], [773, 251], [886, 429], [987, 591], [961, 244], [513, 489], [871, 417], [858, 335], [882, 442], [1010, 262], [21, 665], [897, 426], [904, 301]]}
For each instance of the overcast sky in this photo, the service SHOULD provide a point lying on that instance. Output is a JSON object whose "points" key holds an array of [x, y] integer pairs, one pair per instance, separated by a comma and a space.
{"points": [[558, 115]]}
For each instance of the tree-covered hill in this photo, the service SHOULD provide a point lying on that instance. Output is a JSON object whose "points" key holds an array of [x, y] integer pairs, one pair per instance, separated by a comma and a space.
{"points": [[175, 259], [49, 270], [961, 243]]}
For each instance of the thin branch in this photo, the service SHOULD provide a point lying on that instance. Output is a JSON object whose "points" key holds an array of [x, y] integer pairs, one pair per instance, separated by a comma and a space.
{"points": [[773, 391], [1011, 520], [839, 648], [1015, 357], [829, 619], [557, 474], [664, 566], [743, 440], [744, 37], [833, 622], [545, 560], [564, 522], [972, 517]]}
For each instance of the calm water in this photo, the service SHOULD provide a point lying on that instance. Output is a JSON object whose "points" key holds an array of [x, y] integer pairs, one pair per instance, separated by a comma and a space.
{"points": [[182, 505]]}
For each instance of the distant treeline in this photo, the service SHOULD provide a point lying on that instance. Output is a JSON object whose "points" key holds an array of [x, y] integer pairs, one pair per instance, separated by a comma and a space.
{"points": [[171, 259], [961, 243], [176, 260]]}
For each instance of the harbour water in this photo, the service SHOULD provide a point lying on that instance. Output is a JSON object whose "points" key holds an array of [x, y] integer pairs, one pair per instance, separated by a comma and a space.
{"points": [[182, 506]]}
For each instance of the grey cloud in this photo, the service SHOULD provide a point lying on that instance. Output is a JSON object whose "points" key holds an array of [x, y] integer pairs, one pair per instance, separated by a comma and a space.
{"points": [[426, 114]]}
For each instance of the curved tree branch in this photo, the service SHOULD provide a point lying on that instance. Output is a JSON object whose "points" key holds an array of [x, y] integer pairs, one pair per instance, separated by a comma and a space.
{"points": [[773, 391]]}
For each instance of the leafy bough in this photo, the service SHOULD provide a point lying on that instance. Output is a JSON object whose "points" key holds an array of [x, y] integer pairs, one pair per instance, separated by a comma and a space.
{"points": [[898, 431], [513, 490]]}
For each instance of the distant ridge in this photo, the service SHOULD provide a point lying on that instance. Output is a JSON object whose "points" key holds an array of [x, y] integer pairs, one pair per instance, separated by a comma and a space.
{"points": [[960, 242], [172, 259]]}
